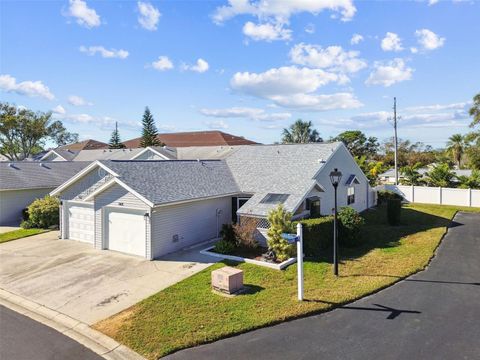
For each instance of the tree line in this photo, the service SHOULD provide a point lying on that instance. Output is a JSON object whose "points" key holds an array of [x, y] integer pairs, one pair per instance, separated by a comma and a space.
{"points": [[374, 158]]}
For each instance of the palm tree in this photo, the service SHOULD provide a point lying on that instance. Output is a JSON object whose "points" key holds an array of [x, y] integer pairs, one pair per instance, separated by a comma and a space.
{"points": [[456, 148], [411, 176], [300, 132], [440, 175], [469, 182]]}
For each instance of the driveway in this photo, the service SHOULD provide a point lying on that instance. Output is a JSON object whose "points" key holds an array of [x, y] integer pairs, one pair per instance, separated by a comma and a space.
{"points": [[87, 284], [434, 314]]}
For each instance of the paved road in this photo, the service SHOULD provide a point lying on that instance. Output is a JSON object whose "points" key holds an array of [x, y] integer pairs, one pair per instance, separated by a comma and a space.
{"points": [[432, 315], [22, 338]]}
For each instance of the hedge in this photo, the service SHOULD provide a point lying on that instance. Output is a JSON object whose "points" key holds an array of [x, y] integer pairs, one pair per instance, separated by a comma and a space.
{"points": [[317, 235], [394, 207], [384, 195]]}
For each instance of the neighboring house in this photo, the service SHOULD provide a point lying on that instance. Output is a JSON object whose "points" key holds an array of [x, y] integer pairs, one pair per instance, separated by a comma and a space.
{"points": [[388, 177], [151, 208], [88, 144], [90, 155], [195, 138], [24, 181]]}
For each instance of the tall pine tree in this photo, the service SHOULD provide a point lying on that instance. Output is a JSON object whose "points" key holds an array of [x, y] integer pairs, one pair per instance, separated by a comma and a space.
{"points": [[149, 131], [115, 142]]}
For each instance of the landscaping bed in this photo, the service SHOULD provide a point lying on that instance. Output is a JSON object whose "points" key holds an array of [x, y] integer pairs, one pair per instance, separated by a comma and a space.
{"points": [[20, 233], [189, 314]]}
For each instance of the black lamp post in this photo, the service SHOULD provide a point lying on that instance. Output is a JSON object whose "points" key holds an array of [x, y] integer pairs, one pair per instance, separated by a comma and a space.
{"points": [[335, 177]]}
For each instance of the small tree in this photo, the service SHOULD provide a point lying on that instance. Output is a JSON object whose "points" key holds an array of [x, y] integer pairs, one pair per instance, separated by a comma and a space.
{"points": [[350, 225], [411, 175], [280, 222], [115, 142], [245, 232], [149, 131], [440, 175]]}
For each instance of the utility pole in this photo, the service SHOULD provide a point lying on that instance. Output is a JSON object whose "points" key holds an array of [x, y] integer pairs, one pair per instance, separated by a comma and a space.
{"points": [[395, 139]]}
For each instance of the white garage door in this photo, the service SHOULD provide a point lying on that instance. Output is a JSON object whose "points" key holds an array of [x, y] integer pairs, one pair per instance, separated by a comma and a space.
{"points": [[126, 231], [81, 223]]}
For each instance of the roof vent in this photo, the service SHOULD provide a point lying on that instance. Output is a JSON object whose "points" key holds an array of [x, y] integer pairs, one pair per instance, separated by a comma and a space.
{"points": [[42, 165], [11, 165], [321, 161]]}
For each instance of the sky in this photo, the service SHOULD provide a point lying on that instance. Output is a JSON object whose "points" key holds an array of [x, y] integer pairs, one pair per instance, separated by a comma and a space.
{"points": [[249, 68]]}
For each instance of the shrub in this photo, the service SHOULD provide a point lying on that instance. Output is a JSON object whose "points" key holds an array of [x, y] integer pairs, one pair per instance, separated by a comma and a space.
{"points": [[350, 223], [280, 222], [43, 213], [394, 207], [224, 247], [26, 224], [228, 234], [317, 235], [245, 233], [384, 195], [25, 215]]}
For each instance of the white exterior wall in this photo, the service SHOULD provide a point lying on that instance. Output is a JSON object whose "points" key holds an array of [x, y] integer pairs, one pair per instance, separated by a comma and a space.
{"points": [[344, 162], [191, 222], [117, 196], [149, 155], [436, 195], [12, 202]]}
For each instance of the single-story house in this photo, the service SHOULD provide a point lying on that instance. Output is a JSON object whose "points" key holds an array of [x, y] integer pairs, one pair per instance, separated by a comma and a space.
{"points": [[153, 207], [195, 138], [388, 177], [24, 181]]}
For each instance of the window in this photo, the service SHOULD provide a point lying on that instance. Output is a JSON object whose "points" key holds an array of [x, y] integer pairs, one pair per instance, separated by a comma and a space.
{"points": [[314, 206], [350, 195], [274, 199]]}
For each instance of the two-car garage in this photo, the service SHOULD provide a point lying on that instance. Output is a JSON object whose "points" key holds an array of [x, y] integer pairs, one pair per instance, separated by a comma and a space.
{"points": [[125, 229]]}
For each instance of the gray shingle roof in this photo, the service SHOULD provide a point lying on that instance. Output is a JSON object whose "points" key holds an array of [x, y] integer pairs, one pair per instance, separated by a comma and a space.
{"points": [[206, 152], [37, 175], [285, 169], [177, 180]]}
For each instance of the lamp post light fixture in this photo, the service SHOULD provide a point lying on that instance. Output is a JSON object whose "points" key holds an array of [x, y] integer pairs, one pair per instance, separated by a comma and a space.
{"points": [[335, 177]]}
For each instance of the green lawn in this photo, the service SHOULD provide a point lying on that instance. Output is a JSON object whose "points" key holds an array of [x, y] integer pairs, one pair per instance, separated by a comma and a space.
{"points": [[189, 314], [18, 234]]}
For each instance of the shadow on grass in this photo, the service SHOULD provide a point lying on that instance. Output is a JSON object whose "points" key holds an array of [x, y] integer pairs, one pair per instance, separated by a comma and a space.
{"points": [[377, 234], [416, 280]]}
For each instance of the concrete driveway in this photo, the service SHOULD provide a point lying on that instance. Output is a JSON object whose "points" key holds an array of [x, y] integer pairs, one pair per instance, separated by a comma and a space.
{"points": [[87, 284]]}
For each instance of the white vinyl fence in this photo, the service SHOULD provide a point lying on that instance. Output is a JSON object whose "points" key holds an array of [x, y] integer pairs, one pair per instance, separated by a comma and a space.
{"points": [[436, 195]]}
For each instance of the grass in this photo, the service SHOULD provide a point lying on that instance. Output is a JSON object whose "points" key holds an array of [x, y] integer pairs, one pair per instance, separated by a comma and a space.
{"points": [[20, 233], [188, 313]]}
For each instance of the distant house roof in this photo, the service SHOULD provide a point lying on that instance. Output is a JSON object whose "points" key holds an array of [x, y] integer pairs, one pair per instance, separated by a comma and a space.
{"points": [[88, 144], [280, 169], [206, 152], [37, 175], [92, 155], [163, 182], [195, 138]]}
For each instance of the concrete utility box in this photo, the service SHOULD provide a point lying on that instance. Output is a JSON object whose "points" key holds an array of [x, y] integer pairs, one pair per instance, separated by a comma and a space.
{"points": [[227, 279]]}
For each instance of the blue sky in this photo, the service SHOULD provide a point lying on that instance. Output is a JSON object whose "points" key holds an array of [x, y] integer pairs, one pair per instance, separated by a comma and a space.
{"points": [[249, 68]]}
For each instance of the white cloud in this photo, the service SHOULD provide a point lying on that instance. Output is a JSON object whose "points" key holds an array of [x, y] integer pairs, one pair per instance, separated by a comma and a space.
{"points": [[246, 113], [29, 88], [432, 2], [356, 39], [163, 63], [281, 9], [149, 16], [217, 124], [429, 40], [59, 109], [310, 28], [438, 107], [84, 15], [105, 53], [323, 102], [201, 66], [78, 101], [413, 50], [333, 58], [389, 73], [391, 42], [267, 31]]}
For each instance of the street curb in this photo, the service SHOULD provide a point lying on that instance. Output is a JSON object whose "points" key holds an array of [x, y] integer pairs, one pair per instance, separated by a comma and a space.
{"points": [[80, 332]]}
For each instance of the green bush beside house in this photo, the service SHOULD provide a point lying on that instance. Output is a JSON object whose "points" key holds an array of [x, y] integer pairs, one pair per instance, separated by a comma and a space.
{"points": [[42, 213]]}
